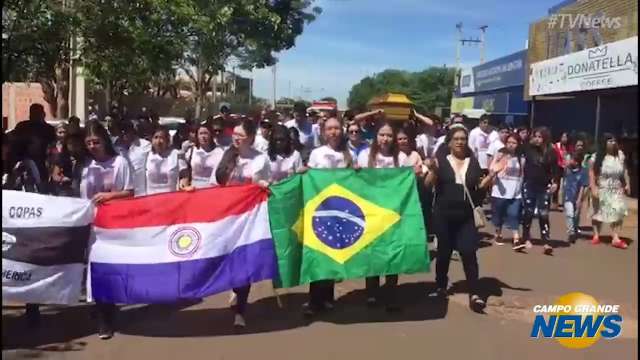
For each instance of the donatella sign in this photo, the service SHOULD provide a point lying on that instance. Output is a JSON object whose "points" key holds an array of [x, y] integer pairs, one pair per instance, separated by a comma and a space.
{"points": [[608, 66]]}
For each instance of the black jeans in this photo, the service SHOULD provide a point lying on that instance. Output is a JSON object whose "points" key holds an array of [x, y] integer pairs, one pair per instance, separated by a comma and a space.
{"points": [[321, 292], [389, 288], [461, 235], [106, 314], [242, 297], [535, 198]]}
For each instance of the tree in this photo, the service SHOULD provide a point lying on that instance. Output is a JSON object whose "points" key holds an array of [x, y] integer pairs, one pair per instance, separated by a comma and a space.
{"points": [[36, 47], [248, 30], [428, 89]]}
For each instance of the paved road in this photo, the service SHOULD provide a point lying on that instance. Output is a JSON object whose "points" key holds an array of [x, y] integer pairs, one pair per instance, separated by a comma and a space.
{"points": [[426, 328]]}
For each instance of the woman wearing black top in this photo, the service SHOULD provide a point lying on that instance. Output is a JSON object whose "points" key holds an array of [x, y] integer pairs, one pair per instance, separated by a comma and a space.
{"points": [[540, 173], [453, 220]]}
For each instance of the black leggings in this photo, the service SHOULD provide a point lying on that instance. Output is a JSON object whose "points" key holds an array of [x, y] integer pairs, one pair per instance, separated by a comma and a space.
{"points": [[321, 292], [389, 288], [460, 235]]}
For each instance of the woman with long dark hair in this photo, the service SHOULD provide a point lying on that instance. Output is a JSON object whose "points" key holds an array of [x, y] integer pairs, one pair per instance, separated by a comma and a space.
{"points": [[305, 152], [165, 169], [106, 176], [609, 182], [284, 159], [202, 158], [541, 172], [383, 153], [506, 193], [333, 155], [457, 179], [242, 164]]}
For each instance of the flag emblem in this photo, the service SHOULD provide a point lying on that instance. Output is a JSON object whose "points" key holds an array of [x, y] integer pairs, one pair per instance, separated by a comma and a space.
{"points": [[7, 241], [339, 223], [184, 242]]}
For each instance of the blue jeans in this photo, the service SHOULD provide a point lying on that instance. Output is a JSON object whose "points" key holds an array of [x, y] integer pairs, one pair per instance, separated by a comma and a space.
{"points": [[507, 212], [572, 215]]}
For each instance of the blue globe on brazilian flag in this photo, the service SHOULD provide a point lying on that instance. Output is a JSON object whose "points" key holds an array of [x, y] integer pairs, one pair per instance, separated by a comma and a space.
{"points": [[345, 224]]}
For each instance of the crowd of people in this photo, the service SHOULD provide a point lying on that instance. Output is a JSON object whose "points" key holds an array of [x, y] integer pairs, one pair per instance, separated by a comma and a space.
{"points": [[519, 172]]}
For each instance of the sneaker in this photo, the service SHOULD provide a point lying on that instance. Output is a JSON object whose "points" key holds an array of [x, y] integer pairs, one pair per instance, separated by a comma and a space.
{"points": [[238, 321], [233, 299], [595, 240], [308, 310], [328, 305], [438, 293], [498, 241], [105, 331], [548, 250], [518, 246], [476, 304]]}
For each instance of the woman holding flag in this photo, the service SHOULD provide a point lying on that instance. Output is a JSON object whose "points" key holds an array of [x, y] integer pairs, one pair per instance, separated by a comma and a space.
{"points": [[166, 170], [333, 155], [106, 176], [202, 158], [383, 153], [242, 164], [283, 158]]}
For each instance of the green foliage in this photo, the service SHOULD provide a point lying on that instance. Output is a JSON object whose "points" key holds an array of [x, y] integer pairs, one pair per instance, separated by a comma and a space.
{"points": [[428, 89]]}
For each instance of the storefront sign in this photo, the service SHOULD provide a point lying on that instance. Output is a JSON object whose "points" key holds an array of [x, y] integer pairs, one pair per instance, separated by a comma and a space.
{"points": [[466, 81], [608, 66], [501, 73], [460, 104]]}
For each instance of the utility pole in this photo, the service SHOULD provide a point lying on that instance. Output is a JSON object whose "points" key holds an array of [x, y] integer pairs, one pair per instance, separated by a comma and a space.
{"points": [[273, 69], [458, 44], [483, 29], [250, 88]]}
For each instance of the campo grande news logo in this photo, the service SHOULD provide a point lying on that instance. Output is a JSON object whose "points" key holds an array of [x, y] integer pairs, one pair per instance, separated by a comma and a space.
{"points": [[577, 321]]}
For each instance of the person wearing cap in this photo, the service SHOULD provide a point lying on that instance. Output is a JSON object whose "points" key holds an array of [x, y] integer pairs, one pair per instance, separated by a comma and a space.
{"points": [[302, 124], [261, 142]]}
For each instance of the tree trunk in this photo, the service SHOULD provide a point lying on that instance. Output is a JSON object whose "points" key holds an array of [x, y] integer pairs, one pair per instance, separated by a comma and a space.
{"points": [[107, 97], [50, 96]]}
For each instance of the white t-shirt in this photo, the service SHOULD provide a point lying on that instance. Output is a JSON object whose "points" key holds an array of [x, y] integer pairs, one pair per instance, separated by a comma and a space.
{"points": [[479, 142], [163, 173], [381, 161], [306, 132], [439, 143], [508, 182], [325, 157], [136, 154], [427, 143], [112, 175], [283, 167], [495, 146], [250, 169], [203, 164], [261, 144]]}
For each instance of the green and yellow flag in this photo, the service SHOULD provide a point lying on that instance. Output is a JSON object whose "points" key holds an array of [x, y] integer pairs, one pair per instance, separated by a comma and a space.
{"points": [[345, 224]]}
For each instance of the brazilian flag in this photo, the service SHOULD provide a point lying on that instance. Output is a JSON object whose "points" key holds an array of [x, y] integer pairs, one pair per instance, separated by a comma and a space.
{"points": [[345, 224]]}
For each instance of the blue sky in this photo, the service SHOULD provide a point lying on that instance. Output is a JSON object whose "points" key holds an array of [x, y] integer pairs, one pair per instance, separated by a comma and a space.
{"points": [[355, 38]]}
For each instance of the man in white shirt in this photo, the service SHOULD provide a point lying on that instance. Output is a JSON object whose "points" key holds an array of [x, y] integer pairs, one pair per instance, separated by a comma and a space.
{"points": [[479, 140], [303, 125], [135, 150], [499, 143]]}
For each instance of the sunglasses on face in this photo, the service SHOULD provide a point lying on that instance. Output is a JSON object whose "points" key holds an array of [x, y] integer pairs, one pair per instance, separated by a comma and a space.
{"points": [[354, 131], [217, 131]]}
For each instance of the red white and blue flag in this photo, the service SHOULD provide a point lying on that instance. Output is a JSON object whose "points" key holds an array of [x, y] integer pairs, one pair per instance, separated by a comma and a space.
{"points": [[182, 245]]}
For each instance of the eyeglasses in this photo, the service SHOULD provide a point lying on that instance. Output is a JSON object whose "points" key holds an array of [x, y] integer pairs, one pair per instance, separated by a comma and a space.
{"points": [[217, 131], [354, 131]]}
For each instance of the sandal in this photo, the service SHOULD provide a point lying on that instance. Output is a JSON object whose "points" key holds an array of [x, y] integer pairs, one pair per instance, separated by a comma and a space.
{"points": [[619, 244], [518, 246]]}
